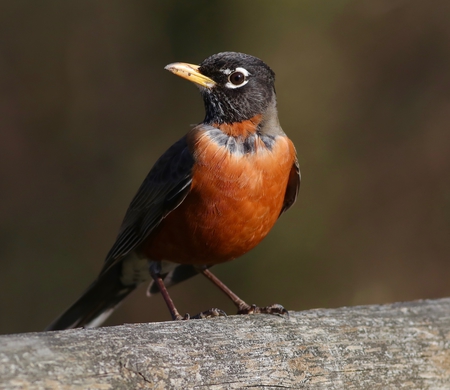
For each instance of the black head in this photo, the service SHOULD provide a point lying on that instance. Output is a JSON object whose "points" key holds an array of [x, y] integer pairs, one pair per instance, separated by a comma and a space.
{"points": [[235, 86]]}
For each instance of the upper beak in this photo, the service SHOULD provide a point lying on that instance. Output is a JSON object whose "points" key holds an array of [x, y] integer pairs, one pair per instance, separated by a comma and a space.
{"points": [[190, 72]]}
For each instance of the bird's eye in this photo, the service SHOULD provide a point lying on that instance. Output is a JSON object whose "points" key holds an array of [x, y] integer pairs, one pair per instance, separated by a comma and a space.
{"points": [[236, 78]]}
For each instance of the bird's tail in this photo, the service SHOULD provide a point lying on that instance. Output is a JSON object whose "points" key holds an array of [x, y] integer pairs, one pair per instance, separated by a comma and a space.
{"points": [[111, 287], [96, 304]]}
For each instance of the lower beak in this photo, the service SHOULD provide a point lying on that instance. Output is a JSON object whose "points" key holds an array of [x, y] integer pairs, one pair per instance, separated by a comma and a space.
{"points": [[190, 72]]}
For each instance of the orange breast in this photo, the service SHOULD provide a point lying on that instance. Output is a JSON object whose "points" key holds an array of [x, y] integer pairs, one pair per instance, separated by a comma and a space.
{"points": [[235, 200]]}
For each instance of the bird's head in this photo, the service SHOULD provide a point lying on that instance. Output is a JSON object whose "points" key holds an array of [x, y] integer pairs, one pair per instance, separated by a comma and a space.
{"points": [[235, 87]]}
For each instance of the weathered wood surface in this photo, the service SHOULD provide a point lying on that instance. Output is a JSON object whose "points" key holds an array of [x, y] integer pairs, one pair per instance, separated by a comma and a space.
{"points": [[395, 346]]}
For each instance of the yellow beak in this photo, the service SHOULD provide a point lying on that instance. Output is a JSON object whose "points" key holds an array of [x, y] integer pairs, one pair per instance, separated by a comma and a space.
{"points": [[190, 72]]}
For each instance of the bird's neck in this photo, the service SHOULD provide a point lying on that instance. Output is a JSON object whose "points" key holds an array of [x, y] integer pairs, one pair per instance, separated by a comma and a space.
{"points": [[241, 129], [245, 137]]}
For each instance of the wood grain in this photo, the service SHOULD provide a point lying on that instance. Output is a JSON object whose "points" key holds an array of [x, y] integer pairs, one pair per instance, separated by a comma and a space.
{"points": [[405, 345]]}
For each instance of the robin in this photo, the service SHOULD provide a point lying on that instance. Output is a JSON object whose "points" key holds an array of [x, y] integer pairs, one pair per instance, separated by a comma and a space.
{"points": [[210, 198]]}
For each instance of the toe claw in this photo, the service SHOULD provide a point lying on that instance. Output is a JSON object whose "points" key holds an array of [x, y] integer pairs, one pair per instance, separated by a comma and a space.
{"points": [[274, 309], [214, 312], [182, 318]]}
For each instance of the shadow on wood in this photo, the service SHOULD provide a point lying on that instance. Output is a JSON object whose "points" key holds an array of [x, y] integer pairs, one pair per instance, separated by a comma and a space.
{"points": [[404, 345]]}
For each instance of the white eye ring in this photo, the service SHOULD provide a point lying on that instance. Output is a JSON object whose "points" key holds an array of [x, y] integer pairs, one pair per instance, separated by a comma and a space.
{"points": [[229, 72]]}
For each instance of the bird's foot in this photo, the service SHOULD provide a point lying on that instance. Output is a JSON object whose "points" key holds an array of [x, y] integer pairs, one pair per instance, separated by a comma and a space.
{"points": [[275, 309], [204, 314], [210, 313], [182, 318]]}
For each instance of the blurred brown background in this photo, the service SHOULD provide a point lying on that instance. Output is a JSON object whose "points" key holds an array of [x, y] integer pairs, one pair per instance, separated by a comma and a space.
{"points": [[86, 108]]}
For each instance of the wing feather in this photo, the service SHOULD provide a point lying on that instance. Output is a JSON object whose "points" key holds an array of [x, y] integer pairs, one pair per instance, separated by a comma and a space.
{"points": [[293, 187], [163, 190]]}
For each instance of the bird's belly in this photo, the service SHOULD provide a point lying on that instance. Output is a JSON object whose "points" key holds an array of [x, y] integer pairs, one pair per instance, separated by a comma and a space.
{"points": [[233, 203]]}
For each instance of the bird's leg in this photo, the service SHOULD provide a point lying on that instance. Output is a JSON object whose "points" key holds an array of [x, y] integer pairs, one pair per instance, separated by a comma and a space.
{"points": [[240, 304], [155, 273], [243, 307]]}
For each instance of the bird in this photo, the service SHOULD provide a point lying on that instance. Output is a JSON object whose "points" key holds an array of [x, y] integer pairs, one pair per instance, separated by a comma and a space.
{"points": [[210, 198]]}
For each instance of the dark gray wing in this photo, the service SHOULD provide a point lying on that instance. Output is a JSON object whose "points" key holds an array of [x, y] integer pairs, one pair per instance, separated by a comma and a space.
{"points": [[164, 188], [293, 187]]}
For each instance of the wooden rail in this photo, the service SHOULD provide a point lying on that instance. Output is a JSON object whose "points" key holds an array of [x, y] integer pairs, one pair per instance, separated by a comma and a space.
{"points": [[404, 345]]}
